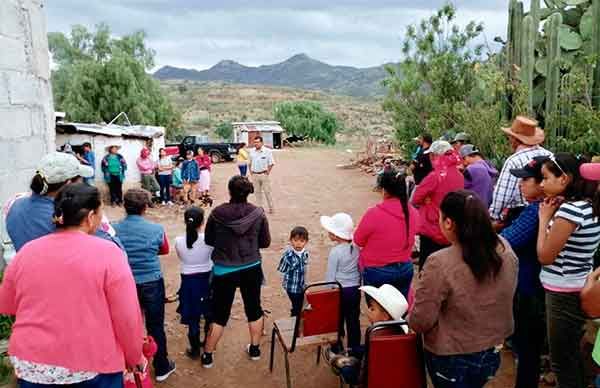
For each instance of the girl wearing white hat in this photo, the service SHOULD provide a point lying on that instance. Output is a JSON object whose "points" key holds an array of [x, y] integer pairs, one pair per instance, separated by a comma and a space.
{"points": [[342, 266]]}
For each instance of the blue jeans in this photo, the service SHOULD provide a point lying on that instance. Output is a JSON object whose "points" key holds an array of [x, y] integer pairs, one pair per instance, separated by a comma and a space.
{"points": [[164, 181], [243, 169], [398, 275], [152, 301], [297, 299], [111, 380], [472, 370]]}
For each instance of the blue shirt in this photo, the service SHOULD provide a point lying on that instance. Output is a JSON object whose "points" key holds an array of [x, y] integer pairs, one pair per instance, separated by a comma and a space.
{"points": [[91, 159], [190, 171], [30, 218], [142, 241], [522, 237], [293, 267]]}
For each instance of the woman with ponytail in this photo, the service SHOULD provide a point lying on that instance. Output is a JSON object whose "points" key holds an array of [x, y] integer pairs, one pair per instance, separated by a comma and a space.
{"points": [[386, 235], [464, 296], [196, 268], [77, 315], [30, 217]]}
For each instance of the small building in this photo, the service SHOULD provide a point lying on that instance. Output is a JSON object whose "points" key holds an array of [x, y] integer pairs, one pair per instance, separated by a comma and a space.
{"points": [[271, 132], [131, 139]]}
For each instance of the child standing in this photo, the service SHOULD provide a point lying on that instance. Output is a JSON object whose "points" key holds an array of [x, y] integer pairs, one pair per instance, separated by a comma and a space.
{"points": [[293, 267], [196, 268], [190, 174], [342, 266]]}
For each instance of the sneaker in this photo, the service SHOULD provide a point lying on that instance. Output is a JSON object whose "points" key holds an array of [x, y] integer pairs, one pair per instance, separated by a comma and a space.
{"points": [[164, 376], [207, 360], [170, 203], [253, 352], [164, 203]]}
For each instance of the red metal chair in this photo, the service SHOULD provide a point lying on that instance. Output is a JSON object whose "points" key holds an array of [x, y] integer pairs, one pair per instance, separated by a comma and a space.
{"points": [[394, 359], [320, 323]]}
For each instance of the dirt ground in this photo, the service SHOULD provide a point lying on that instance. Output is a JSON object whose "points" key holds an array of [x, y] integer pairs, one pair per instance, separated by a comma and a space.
{"points": [[306, 184]]}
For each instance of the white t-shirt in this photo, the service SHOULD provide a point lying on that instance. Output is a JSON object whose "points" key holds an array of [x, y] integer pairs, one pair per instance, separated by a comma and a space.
{"points": [[165, 162], [575, 261], [261, 160], [195, 260]]}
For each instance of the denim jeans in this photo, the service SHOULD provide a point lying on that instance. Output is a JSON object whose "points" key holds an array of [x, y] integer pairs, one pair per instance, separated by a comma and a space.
{"points": [[243, 169], [565, 330], [351, 314], [164, 181], [529, 337], [109, 380], [152, 301], [472, 370], [399, 275], [297, 299]]}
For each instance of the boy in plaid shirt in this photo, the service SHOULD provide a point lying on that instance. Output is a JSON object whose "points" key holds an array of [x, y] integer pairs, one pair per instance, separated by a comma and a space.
{"points": [[293, 267]]}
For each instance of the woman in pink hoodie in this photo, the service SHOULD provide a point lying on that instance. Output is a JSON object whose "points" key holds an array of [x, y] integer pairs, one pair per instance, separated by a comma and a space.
{"points": [[386, 235], [428, 196]]}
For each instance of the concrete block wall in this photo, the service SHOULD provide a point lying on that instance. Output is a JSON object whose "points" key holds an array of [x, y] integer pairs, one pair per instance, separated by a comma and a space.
{"points": [[26, 107]]}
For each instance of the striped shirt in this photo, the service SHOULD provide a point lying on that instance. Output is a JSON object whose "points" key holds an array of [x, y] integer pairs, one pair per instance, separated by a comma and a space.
{"points": [[506, 192], [575, 261]]}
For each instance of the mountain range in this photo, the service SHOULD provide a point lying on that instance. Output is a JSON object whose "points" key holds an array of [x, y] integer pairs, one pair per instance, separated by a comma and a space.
{"points": [[299, 71]]}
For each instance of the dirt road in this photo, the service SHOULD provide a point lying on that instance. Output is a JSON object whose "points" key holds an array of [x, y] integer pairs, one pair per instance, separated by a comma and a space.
{"points": [[306, 184]]}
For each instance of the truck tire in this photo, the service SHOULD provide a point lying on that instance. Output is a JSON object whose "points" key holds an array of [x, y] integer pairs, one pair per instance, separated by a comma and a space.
{"points": [[216, 157]]}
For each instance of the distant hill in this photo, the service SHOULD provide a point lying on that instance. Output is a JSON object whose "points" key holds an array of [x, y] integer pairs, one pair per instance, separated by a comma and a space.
{"points": [[300, 71]]}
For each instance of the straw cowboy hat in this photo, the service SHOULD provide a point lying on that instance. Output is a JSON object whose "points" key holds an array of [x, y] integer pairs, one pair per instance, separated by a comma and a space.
{"points": [[389, 298], [108, 147], [526, 130], [340, 225]]}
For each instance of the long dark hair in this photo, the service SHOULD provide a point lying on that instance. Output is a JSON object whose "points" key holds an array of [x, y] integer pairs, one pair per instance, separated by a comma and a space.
{"points": [[193, 218], [73, 203], [394, 184], [40, 186], [579, 188], [240, 188], [474, 232]]}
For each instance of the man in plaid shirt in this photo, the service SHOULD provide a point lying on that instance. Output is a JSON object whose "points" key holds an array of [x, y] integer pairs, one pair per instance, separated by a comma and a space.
{"points": [[293, 267], [525, 138]]}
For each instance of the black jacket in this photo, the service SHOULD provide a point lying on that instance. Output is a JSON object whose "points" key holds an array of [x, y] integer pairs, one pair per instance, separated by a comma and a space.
{"points": [[237, 231], [422, 166]]}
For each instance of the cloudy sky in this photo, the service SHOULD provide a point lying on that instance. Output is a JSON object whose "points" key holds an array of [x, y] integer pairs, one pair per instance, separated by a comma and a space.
{"points": [[199, 33]]}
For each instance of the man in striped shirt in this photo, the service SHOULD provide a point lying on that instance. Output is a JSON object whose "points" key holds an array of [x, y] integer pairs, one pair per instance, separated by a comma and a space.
{"points": [[525, 138]]}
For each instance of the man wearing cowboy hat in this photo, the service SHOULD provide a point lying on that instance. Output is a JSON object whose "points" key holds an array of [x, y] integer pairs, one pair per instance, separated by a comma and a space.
{"points": [[525, 138]]}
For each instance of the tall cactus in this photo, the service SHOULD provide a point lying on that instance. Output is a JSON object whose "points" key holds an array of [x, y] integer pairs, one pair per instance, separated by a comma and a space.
{"points": [[517, 33], [534, 11], [528, 60], [553, 72], [596, 51], [512, 52]]}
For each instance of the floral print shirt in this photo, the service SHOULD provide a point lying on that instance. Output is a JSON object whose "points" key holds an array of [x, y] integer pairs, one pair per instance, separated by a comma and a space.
{"points": [[48, 374]]}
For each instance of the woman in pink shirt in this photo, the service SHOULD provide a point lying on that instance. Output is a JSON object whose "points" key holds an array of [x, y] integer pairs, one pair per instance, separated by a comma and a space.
{"points": [[386, 235], [204, 162], [78, 321], [147, 167]]}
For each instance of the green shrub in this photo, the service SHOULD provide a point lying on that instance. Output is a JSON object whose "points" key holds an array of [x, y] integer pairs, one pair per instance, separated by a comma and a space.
{"points": [[308, 119]]}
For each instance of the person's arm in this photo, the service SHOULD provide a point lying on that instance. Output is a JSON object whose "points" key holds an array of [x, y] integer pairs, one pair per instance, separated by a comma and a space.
{"points": [[425, 188], [430, 294], [8, 292], [284, 264], [590, 295], [332, 266], [82, 159], [506, 188], [264, 235], [209, 232], [520, 232], [271, 163], [126, 316], [550, 243], [364, 230], [164, 247], [123, 162]]}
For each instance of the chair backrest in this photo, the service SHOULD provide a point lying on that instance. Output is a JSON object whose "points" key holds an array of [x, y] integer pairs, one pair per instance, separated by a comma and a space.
{"points": [[394, 359], [322, 314]]}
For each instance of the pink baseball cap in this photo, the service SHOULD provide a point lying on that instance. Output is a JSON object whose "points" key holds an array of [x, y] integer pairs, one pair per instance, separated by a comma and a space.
{"points": [[590, 171]]}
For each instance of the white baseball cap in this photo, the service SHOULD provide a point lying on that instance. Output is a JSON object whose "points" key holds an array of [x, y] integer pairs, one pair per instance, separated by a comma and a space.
{"points": [[389, 298], [439, 147], [58, 167], [340, 224]]}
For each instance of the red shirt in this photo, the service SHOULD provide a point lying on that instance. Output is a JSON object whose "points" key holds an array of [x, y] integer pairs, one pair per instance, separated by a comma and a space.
{"points": [[204, 162], [75, 303], [382, 236]]}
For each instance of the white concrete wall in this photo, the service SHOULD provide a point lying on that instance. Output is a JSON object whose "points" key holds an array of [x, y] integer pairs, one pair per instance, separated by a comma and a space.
{"points": [[26, 108]]}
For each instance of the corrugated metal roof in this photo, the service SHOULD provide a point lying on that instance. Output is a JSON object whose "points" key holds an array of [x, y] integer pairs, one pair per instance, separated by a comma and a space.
{"points": [[259, 126], [139, 131]]}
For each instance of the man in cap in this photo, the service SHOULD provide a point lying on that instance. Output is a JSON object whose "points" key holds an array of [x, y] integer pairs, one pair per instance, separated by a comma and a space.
{"points": [[459, 140], [421, 166], [479, 173], [525, 138]]}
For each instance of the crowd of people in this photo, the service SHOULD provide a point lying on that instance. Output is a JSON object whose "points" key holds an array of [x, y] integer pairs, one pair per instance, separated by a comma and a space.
{"points": [[500, 255]]}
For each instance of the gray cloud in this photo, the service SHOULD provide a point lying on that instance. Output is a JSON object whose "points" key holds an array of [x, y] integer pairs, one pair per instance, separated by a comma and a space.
{"points": [[199, 33]]}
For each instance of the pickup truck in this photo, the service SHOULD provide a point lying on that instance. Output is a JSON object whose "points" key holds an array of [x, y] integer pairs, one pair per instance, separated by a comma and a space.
{"points": [[219, 152]]}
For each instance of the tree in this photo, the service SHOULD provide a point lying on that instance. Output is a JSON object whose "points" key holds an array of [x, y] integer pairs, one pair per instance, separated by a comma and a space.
{"points": [[225, 131], [441, 79], [99, 76], [308, 119]]}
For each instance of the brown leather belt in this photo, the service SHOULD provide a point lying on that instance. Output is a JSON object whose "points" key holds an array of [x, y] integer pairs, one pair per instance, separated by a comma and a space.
{"points": [[262, 172]]}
